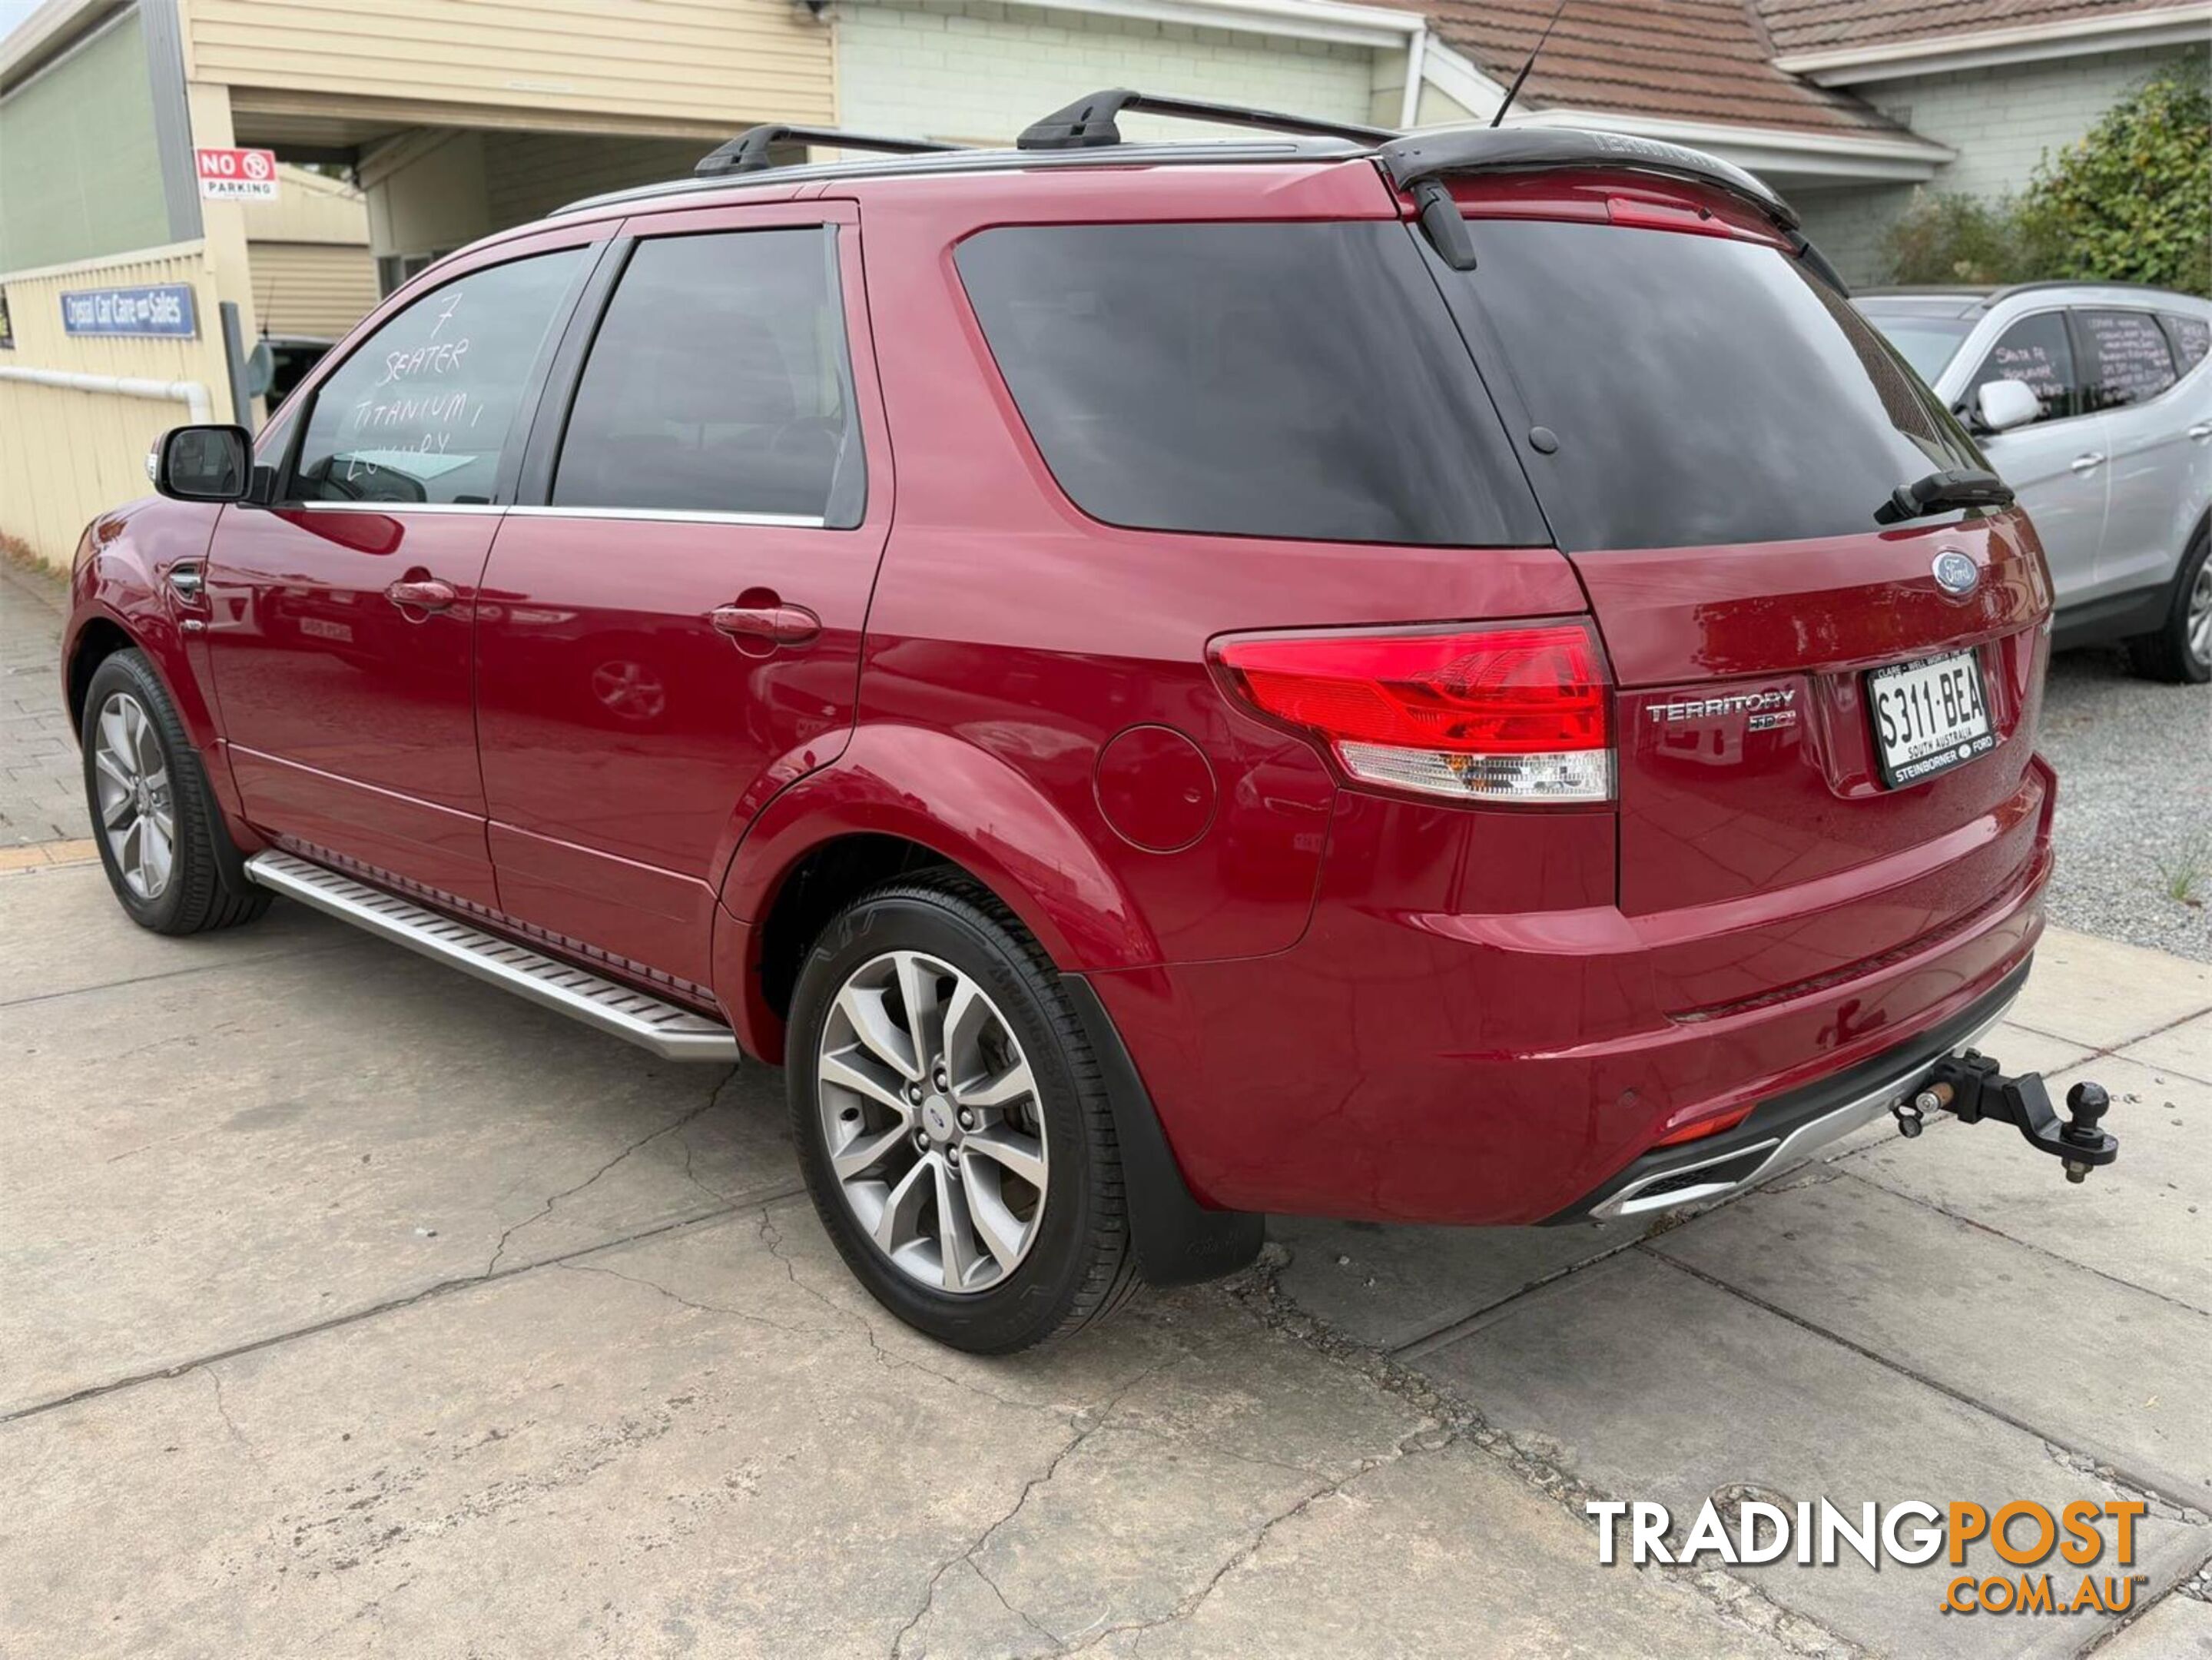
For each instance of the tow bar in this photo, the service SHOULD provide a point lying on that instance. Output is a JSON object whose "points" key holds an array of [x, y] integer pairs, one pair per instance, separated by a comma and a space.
{"points": [[1970, 1088]]}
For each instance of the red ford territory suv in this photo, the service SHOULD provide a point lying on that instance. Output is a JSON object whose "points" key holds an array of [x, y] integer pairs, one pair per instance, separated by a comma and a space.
{"points": [[1446, 678]]}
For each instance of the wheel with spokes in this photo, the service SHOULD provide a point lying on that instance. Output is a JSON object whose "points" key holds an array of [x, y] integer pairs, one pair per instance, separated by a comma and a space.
{"points": [[952, 1122], [2180, 652], [167, 854]]}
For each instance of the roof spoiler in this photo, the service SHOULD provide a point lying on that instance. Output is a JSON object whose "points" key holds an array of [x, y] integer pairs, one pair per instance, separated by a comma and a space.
{"points": [[1419, 164]]}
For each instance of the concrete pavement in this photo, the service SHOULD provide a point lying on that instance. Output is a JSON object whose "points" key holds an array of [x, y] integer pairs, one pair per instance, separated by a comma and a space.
{"points": [[349, 1306]]}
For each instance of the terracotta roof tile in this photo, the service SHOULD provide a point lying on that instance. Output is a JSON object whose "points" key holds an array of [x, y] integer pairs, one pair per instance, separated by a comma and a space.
{"points": [[1686, 60], [1823, 24]]}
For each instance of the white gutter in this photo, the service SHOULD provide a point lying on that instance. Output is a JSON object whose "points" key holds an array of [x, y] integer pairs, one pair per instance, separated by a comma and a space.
{"points": [[1889, 60], [190, 393]]}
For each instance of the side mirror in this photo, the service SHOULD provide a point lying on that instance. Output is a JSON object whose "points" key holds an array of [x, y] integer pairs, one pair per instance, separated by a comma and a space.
{"points": [[2004, 405], [205, 464]]}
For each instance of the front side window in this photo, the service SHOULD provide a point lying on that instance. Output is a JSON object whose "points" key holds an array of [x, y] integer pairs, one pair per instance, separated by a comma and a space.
{"points": [[2192, 337], [2128, 359], [419, 414], [2035, 350], [1702, 390], [1294, 381], [720, 382]]}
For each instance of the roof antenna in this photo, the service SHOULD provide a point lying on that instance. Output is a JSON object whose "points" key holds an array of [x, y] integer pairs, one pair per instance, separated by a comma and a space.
{"points": [[1514, 91]]}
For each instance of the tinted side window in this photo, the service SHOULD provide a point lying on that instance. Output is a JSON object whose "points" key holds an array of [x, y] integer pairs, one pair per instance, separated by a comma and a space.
{"points": [[1248, 379], [720, 382], [2192, 337], [2129, 361], [421, 410], [2036, 350]]}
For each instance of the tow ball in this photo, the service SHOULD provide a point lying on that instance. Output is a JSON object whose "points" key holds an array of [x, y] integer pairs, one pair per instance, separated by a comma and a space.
{"points": [[1971, 1088]]}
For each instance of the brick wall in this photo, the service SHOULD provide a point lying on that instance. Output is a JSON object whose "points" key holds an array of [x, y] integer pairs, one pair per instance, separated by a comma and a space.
{"points": [[2001, 121], [981, 70]]}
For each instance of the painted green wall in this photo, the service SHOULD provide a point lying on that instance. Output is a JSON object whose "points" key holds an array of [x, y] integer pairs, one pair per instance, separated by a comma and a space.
{"points": [[79, 175]]}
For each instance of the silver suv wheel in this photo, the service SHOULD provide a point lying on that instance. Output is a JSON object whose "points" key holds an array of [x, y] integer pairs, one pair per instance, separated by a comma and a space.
{"points": [[2199, 630], [137, 813], [931, 1117]]}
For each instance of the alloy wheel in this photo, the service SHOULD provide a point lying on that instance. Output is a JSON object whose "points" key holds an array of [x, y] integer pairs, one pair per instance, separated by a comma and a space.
{"points": [[2198, 632], [931, 1116], [137, 812]]}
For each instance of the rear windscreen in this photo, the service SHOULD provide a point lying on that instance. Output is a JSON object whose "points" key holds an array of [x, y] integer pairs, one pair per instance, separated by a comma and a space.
{"points": [[1298, 380], [1703, 390]]}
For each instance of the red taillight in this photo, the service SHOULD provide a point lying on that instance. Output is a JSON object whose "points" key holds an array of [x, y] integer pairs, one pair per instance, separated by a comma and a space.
{"points": [[1516, 713], [1698, 1129]]}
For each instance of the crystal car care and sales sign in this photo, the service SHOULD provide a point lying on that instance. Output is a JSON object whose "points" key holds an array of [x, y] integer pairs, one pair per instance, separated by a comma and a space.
{"points": [[164, 309], [232, 175]]}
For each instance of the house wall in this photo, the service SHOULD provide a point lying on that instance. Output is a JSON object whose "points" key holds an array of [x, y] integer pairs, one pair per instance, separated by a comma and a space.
{"points": [[2002, 121], [308, 255], [637, 61], [80, 175], [66, 455], [982, 71]]}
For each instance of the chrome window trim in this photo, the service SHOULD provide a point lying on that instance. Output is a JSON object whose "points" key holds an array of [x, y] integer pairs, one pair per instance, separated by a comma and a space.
{"points": [[679, 516], [386, 507]]}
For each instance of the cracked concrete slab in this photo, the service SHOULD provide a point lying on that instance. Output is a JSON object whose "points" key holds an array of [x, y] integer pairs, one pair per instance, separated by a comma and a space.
{"points": [[2146, 1221], [2185, 1049], [2179, 1628], [1388, 1286], [1959, 1306], [65, 933], [192, 1163], [1648, 1383], [2103, 994], [1442, 1552]]}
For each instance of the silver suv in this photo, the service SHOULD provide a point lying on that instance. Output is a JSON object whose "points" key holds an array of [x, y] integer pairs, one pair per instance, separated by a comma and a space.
{"points": [[2094, 402]]}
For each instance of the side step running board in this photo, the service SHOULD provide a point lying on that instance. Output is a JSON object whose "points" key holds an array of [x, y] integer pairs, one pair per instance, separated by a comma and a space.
{"points": [[671, 1032]]}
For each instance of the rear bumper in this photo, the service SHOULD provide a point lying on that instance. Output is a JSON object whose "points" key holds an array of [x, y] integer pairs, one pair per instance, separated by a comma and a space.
{"points": [[1790, 1127], [1415, 1064]]}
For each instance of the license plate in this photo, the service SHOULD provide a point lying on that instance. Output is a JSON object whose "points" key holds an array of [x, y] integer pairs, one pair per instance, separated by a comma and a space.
{"points": [[1930, 715]]}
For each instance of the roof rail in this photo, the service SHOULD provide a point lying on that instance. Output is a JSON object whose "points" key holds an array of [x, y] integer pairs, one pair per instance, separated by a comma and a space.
{"points": [[1088, 123], [749, 151]]}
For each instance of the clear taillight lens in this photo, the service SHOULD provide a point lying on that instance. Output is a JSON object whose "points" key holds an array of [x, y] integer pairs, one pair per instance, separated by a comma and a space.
{"points": [[1512, 712]]}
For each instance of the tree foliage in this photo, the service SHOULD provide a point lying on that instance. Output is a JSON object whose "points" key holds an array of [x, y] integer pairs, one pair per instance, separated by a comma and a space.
{"points": [[2131, 202]]}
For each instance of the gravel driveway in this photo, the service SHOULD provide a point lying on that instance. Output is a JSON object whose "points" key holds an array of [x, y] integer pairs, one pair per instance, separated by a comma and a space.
{"points": [[2135, 804]]}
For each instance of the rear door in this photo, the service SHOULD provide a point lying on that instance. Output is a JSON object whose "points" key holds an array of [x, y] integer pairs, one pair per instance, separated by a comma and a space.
{"points": [[673, 612], [1712, 430], [2060, 463], [2128, 372]]}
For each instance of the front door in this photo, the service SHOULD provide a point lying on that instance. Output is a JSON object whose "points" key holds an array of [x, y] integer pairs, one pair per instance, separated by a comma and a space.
{"points": [[341, 620], [673, 612], [2056, 466]]}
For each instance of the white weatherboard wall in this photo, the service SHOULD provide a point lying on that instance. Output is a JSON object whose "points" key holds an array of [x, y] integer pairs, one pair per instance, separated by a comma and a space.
{"points": [[2001, 121], [982, 71]]}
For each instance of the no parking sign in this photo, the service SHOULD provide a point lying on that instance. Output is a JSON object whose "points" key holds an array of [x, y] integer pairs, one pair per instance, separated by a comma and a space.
{"points": [[235, 175]]}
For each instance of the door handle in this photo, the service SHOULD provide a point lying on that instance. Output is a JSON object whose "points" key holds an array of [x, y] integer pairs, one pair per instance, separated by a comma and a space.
{"points": [[2088, 463], [187, 581], [2201, 431], [761, 628], [421, 593]]}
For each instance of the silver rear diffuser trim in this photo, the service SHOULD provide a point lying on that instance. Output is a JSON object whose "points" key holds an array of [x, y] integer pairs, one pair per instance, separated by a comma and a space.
{"points": [[1783, 1151], [670, 1032]]}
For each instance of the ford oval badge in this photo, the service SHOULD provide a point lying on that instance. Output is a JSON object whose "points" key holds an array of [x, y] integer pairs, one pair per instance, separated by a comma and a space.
{"points": [[1956, 574]]}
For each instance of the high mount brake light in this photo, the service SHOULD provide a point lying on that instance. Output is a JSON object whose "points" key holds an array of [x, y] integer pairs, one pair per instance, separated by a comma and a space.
{"points": [[1515, 713]]}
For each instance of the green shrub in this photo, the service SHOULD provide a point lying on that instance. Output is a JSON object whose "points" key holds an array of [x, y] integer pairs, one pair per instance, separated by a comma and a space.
{"points": [[2131, 202]]}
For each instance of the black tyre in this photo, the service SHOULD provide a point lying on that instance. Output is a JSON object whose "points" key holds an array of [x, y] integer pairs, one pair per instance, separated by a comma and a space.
{"points": [[162, 838], [952, 1122], [2180, 652]]}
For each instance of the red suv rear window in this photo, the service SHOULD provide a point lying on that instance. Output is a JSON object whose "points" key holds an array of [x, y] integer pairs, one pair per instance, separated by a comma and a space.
{"points": [[1296, 381]]}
